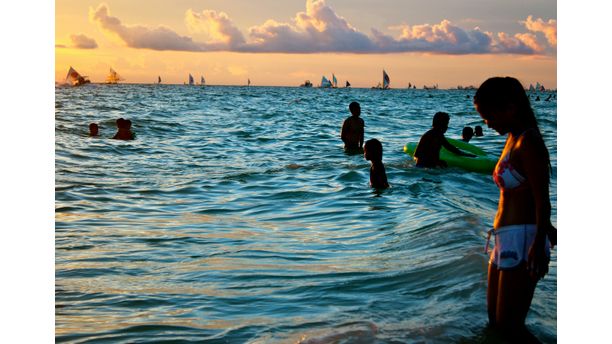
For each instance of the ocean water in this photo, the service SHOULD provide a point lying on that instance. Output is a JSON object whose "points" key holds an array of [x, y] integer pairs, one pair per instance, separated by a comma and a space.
{"points": [[236, 217]]}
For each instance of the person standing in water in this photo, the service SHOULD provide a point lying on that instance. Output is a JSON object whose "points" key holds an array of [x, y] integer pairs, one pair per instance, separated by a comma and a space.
{"points": [[373, 151], [353, 129], [427, 152], [522, 227], [478, 131]]}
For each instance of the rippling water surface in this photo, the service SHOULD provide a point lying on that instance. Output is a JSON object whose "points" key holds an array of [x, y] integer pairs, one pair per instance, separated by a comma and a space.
{"points": [[236, 217]]}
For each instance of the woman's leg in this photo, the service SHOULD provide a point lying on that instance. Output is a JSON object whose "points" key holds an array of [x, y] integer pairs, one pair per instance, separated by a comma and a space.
{"points": [[514, 294], [492, 286]]}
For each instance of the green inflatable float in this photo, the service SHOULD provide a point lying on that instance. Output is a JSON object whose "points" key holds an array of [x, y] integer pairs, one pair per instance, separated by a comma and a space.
{"points": [[482, 163]]}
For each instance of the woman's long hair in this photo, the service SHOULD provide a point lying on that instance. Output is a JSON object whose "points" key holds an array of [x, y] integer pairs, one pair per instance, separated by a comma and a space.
{"points": [[499, 93]]}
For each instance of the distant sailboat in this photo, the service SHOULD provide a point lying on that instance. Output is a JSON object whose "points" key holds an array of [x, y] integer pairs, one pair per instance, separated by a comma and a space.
{"points": [[73, 78], [348, 84], [159, 79], [248, 82], [113, 77], [306, 83], [531, 89], [325, 83], [190, 79], [385, 80], [334, 81], [202, 81]]}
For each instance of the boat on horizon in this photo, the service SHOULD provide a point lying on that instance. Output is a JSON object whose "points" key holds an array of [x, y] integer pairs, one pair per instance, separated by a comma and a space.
{"points": [[334, 81], [385, 82], [306, 83], [348, 84], [113, 77], [73, 78], [202, 81], [325, 83], [158, 79]]}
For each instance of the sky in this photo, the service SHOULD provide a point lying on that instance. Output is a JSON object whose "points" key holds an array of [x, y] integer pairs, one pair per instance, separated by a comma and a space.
{"points": [[445, 42]]}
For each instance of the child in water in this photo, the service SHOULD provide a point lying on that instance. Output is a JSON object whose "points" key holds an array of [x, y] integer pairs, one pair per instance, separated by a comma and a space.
{"points": [[373, 152], [478, 131], [353, 129], [124, 131], [427, 152], [466, 134]]}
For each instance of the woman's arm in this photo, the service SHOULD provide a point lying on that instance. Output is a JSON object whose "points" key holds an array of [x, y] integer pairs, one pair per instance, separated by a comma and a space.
{"points": [[534, 164]]}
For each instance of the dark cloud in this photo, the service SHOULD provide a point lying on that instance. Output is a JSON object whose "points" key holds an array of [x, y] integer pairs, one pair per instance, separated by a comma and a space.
{"points": [[83, 42]]}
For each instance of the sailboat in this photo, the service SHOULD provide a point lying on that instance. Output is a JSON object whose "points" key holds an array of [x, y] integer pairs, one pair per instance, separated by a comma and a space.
{"points": [[334, 81], [190, 79], [325, 83], [537, 87], [113, 77], [385, 82], [348, 84], [531, 89], [159, 79], [248, 82], [73, 78], [202, 81]]}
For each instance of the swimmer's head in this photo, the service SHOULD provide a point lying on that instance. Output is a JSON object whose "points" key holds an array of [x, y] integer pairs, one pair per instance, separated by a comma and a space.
{"points": [[373, 150], [440, 121], [93, 129], [467, 134], [355, 108]]}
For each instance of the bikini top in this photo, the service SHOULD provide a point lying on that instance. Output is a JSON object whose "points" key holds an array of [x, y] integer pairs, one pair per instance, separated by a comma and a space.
{"points": [[504, 175]]}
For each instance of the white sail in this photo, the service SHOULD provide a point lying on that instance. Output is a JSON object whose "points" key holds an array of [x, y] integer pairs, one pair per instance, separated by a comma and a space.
{"points": [[325, 82], [202, 81], [334, 81]]}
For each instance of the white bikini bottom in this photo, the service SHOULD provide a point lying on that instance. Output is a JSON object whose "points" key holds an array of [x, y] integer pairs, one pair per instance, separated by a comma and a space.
{"points": [[512, 245]]}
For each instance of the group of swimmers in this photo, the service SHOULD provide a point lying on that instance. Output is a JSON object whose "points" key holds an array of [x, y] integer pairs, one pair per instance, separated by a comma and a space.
{"points": [[426, 154], [523, 231], [124, 130]]}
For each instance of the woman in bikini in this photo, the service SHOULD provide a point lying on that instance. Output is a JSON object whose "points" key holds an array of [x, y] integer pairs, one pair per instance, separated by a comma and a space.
{"points": [[522, 227]]}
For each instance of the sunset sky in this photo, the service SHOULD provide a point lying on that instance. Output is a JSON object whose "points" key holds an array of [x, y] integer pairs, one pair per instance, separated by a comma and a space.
{"points": [[444, 42]]}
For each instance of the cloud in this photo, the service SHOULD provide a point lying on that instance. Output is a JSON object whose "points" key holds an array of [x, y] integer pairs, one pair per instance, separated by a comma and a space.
{"points": [[549, 29], [160, 38], [320, 30], [218, 26], [83, 42]]}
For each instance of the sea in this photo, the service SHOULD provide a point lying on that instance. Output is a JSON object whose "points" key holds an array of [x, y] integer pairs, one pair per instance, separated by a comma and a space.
{"points": [[235, 216]]}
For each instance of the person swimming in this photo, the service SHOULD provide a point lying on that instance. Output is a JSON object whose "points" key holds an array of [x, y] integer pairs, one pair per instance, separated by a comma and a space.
{"points": [[466, 134], [124, 131], [373, 151], [478, 131], [93, 129], [427, 152], [353, 129]]}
